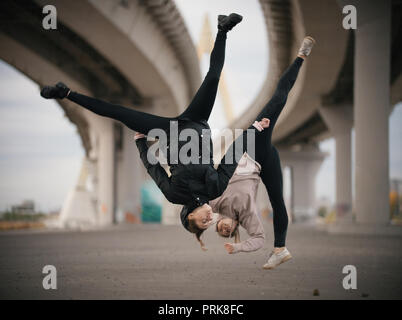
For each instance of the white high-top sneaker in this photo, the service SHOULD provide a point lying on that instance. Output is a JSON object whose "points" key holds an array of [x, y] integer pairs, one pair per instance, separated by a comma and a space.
{"points": [[306, 46], [275, 259]]}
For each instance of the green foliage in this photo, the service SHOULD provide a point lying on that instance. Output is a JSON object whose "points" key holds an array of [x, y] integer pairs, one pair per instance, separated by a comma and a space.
{"points": [[322, 212], [12, 216]]}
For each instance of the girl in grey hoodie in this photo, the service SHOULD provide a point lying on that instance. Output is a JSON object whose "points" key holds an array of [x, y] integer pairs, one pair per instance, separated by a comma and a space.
{"points": [[237, 207], [237, 204]]}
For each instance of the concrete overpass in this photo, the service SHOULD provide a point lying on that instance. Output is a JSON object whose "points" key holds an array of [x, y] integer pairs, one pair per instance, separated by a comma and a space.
{"points": [[352, 79], [113, 50], [136, 53]]}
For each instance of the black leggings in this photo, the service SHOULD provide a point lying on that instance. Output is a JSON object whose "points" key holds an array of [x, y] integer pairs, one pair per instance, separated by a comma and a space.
{"points": [[266, 154], [199, 109]]}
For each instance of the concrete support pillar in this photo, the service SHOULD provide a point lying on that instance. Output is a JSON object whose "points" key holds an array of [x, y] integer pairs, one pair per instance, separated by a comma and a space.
{"points": [[78, 209], [339, 120], [106, 170], [287, 190], [343, 173], [304, 165], [372, 102], [170, 213], [129, 179]]}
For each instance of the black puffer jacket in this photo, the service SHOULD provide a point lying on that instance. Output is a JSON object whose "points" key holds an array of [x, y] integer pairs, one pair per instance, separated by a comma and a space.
{"points": [[189, 184]]}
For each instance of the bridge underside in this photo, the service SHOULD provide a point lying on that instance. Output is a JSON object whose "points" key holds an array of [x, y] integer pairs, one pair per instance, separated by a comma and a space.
{"points": [[80, 61], [315, 129], [322, 103], [137, 54], [145, 59]]}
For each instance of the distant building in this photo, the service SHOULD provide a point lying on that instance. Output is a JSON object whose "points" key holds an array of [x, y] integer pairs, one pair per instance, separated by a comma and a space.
{"points": [[26, 207]]}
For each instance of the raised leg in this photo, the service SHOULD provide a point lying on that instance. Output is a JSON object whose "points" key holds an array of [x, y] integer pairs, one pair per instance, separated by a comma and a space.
{"points": [[276, 104], [201, 106], [133, 119]]}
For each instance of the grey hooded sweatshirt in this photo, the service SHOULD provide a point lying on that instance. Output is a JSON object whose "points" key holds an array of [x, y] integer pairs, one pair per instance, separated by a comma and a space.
{"points": [[239, 203]]}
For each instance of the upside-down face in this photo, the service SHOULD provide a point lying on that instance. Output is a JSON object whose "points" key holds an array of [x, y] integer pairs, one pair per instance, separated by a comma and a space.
{"points": [[202, 216]]}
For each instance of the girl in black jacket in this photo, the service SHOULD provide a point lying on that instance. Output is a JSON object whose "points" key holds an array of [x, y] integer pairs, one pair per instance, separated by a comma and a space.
{"points": [[190, 184]]}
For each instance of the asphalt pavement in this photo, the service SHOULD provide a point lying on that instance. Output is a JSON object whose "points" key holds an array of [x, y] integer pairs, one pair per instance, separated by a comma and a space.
{"points": [[165, 262]]}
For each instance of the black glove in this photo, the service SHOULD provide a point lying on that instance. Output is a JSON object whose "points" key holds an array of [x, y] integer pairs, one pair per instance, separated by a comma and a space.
{"points": [[59, 91]]}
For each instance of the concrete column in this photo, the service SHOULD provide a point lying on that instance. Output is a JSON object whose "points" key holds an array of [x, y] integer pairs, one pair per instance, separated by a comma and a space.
{"points": [[106, 172], [304, 166], [343, 173], [78, 209], [372, 101], [339, 120], [129, 179], [303, 180], [170, 213]]}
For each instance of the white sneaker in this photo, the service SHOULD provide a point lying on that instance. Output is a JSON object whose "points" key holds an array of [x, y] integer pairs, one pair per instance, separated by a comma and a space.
{"points": [[275, 259], [306, 46]]}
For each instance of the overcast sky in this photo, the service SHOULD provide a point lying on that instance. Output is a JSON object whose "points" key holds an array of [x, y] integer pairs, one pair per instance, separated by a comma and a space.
{"points": [[41, 152]]}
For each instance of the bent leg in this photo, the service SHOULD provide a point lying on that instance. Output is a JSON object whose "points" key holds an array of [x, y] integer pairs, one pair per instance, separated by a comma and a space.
{"points": [[133, 119], [201, 106], [271, 176]]}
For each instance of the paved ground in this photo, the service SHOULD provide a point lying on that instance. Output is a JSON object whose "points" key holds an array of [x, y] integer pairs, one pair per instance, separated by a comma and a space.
{"points": [[164, 262]]}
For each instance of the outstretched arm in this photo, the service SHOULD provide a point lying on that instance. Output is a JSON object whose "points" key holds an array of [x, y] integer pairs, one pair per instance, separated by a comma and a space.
{"points": [[157, 173], [256, 232]]}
